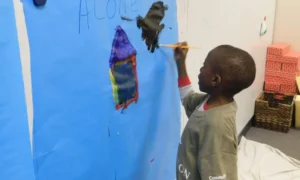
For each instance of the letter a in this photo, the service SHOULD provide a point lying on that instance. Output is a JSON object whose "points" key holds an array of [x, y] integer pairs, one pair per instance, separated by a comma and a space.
{"points": [[81, 14]]}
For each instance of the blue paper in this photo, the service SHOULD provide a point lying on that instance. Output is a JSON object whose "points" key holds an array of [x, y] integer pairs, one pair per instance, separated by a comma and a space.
{"points": [[78, 133], [15, 153]]}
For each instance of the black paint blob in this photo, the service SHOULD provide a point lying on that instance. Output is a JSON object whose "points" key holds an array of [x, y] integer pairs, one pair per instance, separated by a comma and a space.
{"points": [[39, 2], [151, 26]]}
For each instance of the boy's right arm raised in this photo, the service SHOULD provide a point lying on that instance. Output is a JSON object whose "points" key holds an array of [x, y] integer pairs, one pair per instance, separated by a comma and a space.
{"points": [[189, 98]]}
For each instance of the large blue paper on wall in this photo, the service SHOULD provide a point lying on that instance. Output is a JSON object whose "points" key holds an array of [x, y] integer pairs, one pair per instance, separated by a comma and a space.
{"points": [[15, 153], [78, 133]]}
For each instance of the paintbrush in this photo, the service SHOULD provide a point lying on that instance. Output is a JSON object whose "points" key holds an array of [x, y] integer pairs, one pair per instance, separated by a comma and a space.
{"points": [[175, 46]]}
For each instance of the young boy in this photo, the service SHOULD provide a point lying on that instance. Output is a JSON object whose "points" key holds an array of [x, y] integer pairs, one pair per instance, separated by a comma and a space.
{"points": [[208, 148]]}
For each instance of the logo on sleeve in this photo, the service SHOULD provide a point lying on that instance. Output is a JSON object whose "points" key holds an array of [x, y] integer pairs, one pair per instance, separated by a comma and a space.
{"points": [[217, 177]]}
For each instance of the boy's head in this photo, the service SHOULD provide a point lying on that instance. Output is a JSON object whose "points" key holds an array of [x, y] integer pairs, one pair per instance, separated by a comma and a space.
{"points": [[227, 70]]}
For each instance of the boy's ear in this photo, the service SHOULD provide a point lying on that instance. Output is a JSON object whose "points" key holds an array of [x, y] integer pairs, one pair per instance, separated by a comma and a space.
{"points": [[216, 80]]}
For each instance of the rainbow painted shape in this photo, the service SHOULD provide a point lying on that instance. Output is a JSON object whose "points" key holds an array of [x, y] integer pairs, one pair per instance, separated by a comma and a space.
{"points": [[123, 74]]}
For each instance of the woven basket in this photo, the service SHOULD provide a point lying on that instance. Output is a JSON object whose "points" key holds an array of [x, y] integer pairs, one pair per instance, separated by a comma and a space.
{"points": [[274, 111]]}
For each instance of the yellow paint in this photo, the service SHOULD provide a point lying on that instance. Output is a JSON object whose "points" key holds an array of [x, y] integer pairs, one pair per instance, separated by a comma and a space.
{"points": [[114, 87], [298, 81], [297, 106]]}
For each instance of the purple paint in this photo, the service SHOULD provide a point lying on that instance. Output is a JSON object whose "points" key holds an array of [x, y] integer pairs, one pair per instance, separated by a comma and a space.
{"points": [[121, 47]]}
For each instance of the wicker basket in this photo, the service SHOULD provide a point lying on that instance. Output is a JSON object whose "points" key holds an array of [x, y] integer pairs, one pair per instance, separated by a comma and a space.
{"points": [[274, 111]]}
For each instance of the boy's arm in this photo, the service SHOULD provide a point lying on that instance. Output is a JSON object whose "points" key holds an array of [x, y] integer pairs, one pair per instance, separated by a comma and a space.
{"points": [[185, 87], [189, 98]]}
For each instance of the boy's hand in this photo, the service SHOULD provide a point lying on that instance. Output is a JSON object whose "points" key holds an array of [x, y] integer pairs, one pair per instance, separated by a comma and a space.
{"points": [[180, 53]]}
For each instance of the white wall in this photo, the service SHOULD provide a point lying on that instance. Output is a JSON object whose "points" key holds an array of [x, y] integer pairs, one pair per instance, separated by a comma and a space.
{"points": [[25, 60], [208, 24], [287, 23]]}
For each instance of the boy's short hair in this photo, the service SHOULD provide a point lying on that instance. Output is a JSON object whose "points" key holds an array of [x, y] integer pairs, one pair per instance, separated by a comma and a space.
{"points": [[235, 66]]}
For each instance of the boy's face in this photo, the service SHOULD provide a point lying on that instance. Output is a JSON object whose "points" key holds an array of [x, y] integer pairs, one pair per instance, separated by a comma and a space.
{"points": [[205, 77], [208, 79]]}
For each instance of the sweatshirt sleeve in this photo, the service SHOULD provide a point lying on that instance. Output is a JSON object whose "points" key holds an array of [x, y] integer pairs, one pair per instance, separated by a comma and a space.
{"points": [[185, 87], [189, 98]]}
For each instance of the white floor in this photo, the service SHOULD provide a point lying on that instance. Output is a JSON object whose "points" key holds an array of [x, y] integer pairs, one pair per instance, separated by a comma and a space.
{"points": [[259, 161]]}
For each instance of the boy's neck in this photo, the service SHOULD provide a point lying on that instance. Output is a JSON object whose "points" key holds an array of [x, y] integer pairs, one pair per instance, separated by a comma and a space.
{"points": [[218, 100]]}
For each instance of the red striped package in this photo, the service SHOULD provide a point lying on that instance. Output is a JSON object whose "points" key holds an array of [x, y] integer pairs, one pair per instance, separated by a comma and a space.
{"points": [[272, 86], [288, 89], [279, 49], [285, 76], [273, 66], [274, 58], [282, 68], [292, 57], [280, 80]]}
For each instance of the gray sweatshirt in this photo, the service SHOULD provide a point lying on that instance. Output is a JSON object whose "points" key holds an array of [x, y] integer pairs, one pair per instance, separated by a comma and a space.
{"points": [[208, 148]]}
